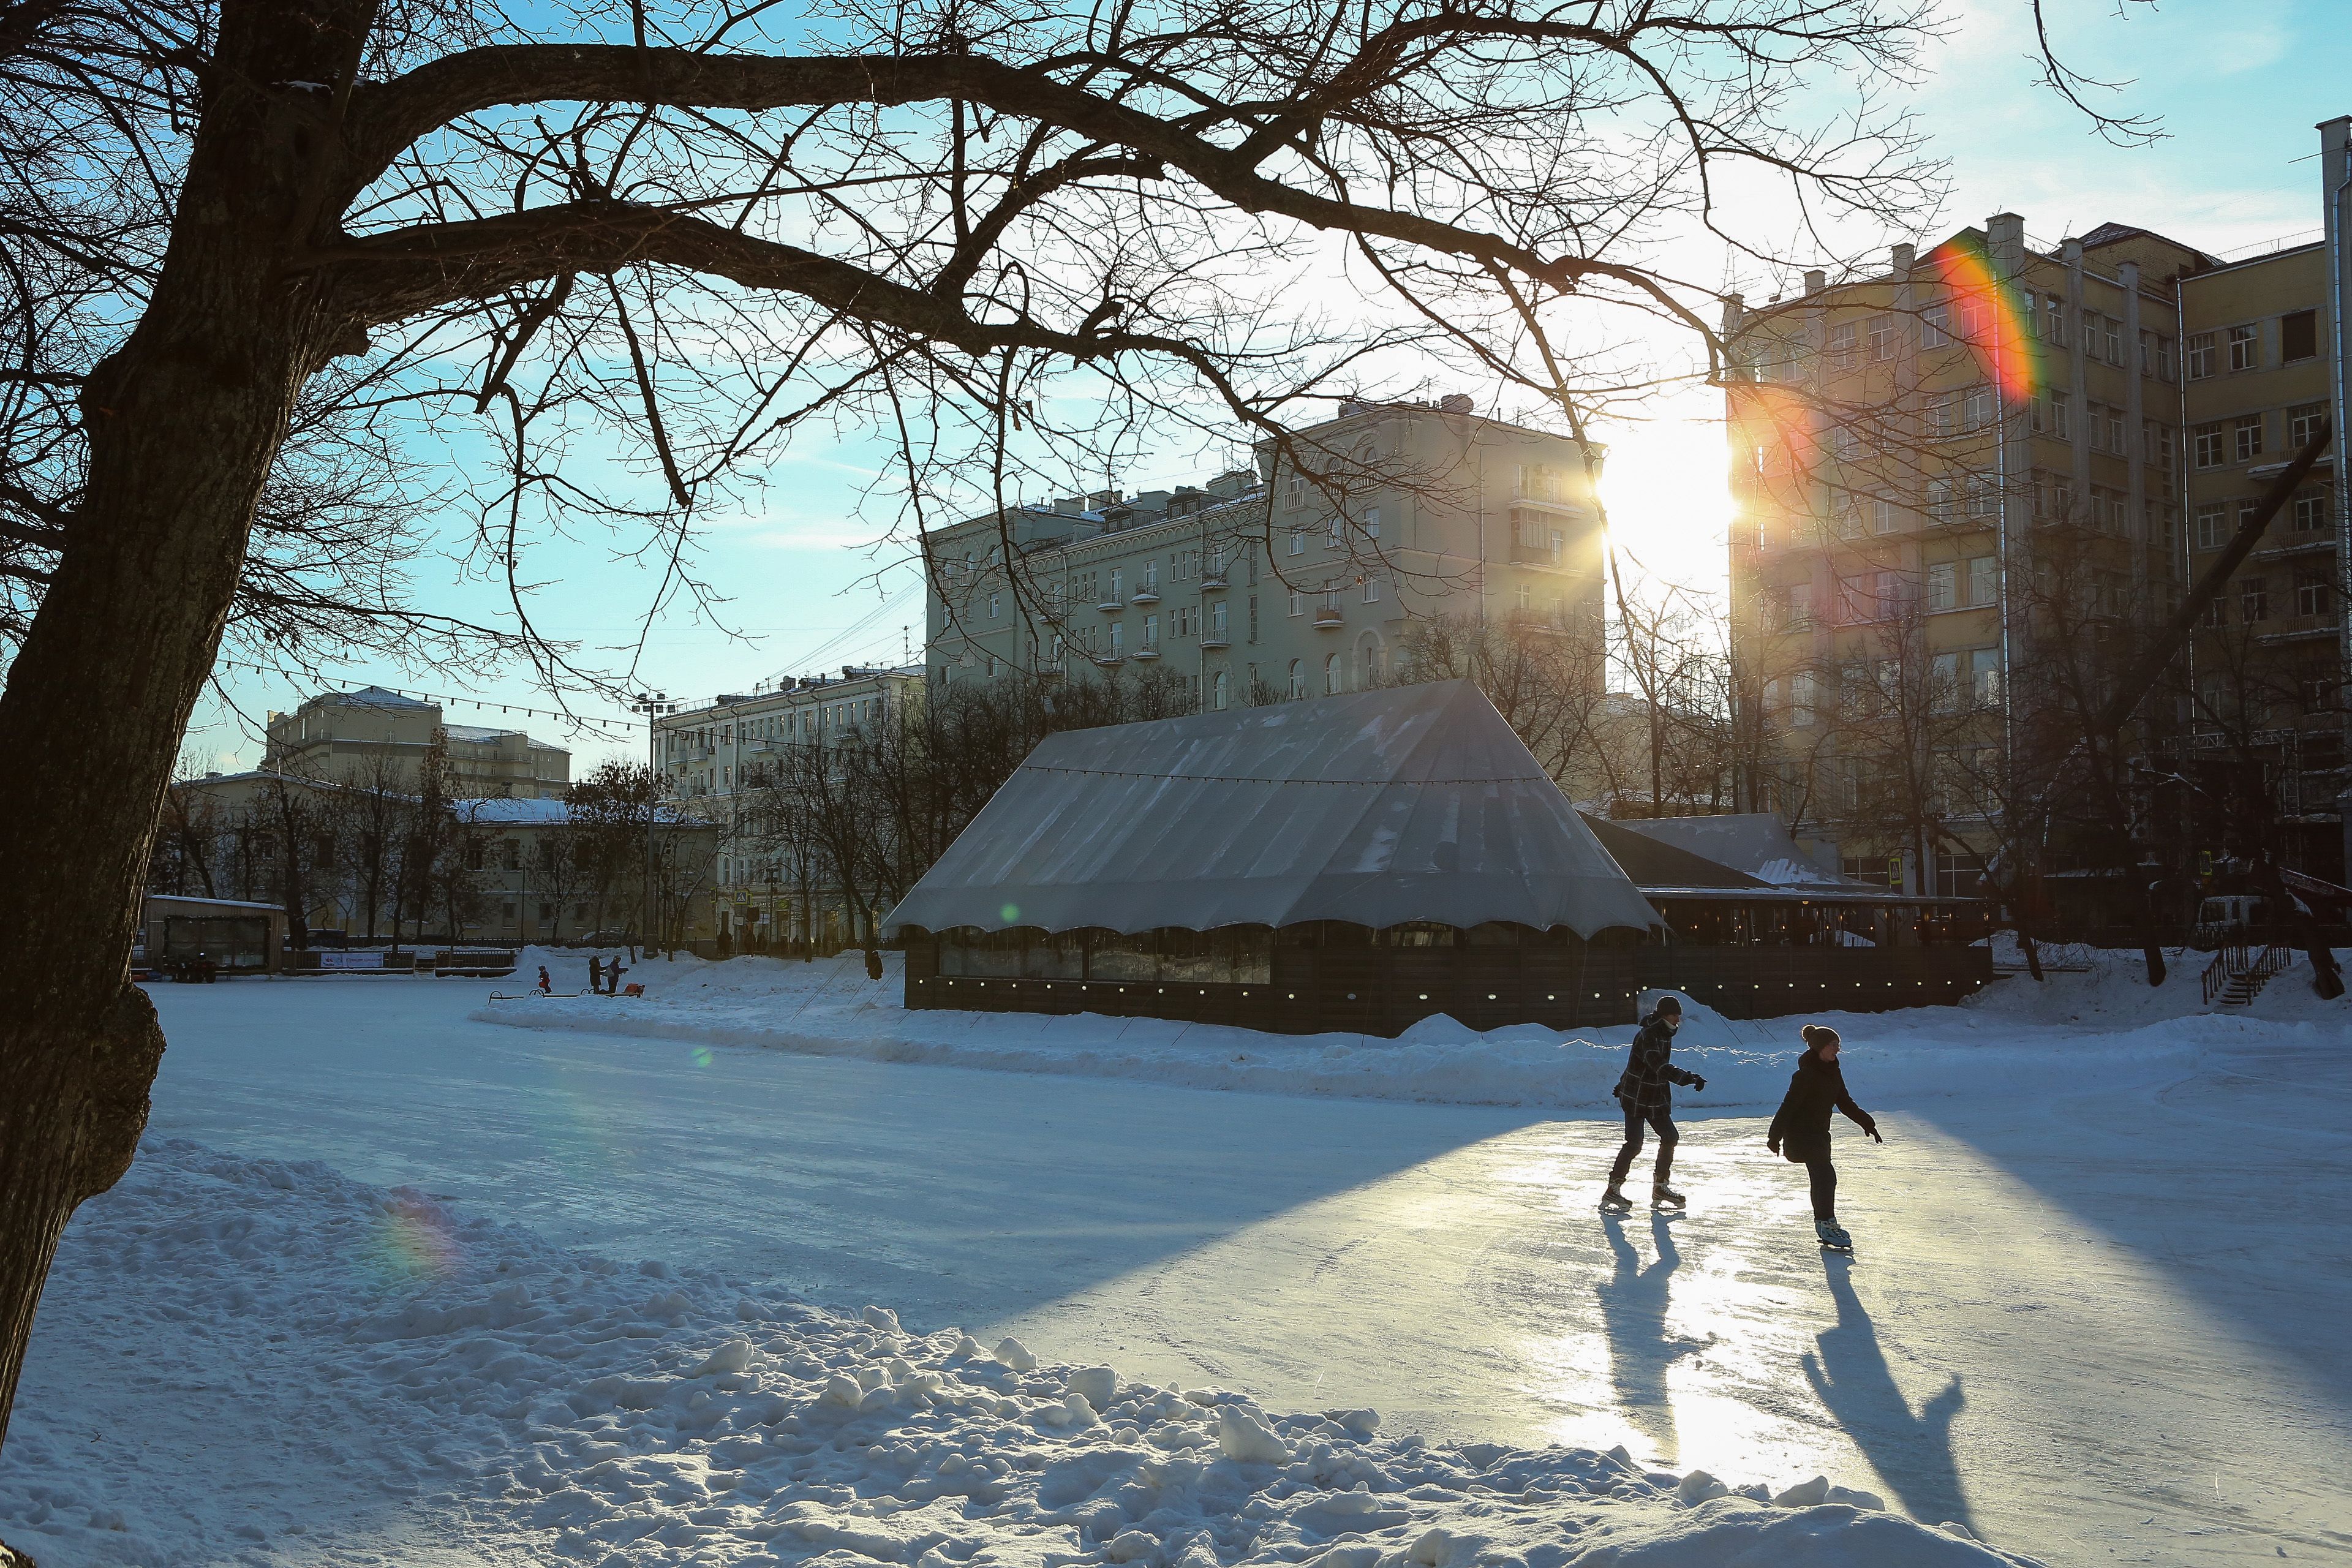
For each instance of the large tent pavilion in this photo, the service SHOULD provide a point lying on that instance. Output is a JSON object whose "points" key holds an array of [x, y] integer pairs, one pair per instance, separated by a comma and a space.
{"points": [[1357, 862]]}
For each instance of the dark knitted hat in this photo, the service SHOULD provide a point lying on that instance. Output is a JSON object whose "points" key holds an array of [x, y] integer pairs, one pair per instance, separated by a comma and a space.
{"points": [[1819, 1034]]}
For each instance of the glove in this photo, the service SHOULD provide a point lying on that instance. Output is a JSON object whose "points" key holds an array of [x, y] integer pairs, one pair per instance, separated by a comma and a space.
{"points": [[1697, 1083]]}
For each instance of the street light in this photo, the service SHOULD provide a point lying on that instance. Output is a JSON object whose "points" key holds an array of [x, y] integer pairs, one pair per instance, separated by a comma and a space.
{"points": [[653, 705]]}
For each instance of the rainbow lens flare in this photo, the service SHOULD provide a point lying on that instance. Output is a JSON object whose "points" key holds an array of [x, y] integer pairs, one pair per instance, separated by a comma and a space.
{"points": [[1990, 317], [414, 1243]]}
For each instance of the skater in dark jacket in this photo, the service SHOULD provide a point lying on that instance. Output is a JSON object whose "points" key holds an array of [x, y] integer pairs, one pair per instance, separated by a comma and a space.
{"points": [[1800, 1127], [1645, 1091]]}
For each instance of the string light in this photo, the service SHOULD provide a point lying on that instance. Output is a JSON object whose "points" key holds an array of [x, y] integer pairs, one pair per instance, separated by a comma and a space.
{"points": [[613, 728]]}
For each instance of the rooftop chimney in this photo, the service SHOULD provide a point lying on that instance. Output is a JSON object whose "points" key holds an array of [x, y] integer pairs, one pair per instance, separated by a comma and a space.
{"points": [[1816, 280], [1902, 256], [1456, 403]]}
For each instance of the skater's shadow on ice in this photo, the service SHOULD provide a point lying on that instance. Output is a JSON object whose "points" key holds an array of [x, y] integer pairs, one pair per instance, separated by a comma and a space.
{"points": [[1634, 1301], [1911, 1451]]}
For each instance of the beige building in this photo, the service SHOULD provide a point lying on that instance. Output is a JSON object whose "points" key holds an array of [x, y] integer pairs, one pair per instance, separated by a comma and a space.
{"points": [[373, 736], [1918, 458], [2264, 369], [1927, 459], [763, 889], [1296, 578]]}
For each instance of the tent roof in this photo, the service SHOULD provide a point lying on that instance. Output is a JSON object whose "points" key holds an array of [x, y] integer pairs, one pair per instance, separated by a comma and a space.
{"points": [[1414, 803], [1756, 842], [1655, 864]]}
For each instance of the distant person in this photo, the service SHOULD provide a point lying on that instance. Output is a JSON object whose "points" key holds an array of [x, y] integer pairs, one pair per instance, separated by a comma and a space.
{"points": [[1645, 1091], [545, 987], [1800, 1127], [613, 972], [873, 964], [595, 973]]}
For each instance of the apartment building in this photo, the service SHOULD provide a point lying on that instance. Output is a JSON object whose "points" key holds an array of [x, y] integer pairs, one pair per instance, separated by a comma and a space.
{"points": [[1918, 458], [377, 738], [763, 891], [1296, 578], [2264, 366]]}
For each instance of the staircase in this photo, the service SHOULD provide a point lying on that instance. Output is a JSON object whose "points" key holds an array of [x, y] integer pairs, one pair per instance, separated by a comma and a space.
{"points": [[2234, 979]]}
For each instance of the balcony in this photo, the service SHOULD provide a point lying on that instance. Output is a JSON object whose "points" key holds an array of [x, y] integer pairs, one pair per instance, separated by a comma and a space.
{"points": [[1111, 606], [1149, 594], [1050, 671], [2311, 630], [1147, 651], [1213, 581], [1546, 556], [1535, 620], [1330, 619], [1216, 640]]}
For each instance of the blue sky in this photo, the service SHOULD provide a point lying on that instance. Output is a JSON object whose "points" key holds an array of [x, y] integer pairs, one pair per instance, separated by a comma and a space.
{"points": [[2237, 86]]}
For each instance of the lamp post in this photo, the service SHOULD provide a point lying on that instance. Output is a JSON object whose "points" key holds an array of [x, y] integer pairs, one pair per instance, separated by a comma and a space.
{"points": [[653, 705]]}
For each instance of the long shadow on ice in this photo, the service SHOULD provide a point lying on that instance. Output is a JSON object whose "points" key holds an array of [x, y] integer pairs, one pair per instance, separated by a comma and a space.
{"points": [[1633, 1302], [1911, 1451]]}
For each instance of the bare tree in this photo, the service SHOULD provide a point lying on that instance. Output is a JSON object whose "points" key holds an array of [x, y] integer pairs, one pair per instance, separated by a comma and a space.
{"points": [[676, 231]]}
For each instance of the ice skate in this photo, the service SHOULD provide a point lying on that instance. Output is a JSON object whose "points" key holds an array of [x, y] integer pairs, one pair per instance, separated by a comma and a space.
{"points": [[1663, 1196], [1832, 1235], [1614, 1201]]}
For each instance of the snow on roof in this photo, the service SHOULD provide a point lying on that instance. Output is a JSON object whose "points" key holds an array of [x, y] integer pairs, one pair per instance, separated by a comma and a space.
{"points": [[1758, 843], [373, 697], [477, 733], [1416, 802], [215, 903], [515, 811]]}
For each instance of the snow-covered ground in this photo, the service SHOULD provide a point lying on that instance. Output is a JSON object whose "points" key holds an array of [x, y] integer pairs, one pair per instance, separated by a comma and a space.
{"points": [[316, 1371], [2097, 1314], [2000, 1038]]}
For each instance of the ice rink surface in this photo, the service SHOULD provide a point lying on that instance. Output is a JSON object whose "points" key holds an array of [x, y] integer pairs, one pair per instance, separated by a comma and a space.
{"points": [[2097, 1312]]}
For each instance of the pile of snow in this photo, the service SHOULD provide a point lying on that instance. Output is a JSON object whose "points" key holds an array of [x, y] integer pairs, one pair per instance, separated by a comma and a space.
{"points": [[249, 1359], [2103, 1016]]}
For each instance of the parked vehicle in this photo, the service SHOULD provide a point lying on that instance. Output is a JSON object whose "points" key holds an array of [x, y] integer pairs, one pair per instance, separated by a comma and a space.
{"points": [[2226, 917]]}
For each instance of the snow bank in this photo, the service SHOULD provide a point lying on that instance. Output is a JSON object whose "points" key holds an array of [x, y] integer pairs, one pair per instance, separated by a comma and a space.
{"points": [[2102, 1016], [264, 1361]]}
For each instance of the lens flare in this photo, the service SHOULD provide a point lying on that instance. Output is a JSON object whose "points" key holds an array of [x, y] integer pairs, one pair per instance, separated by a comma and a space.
{"points": [[415, 1243], [1990, 317]]}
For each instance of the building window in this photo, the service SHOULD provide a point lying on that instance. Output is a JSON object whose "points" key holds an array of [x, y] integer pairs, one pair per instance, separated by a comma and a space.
{"points": [[1371, 523], [1841, 346], [1940, 500], [1332, 675], [1221, 689], [1885, 517], [2111, 332], [2156, 441], [2205, 447], [2298, 335], [2053, 314], [1935, 329], [1150, 635], [2247, 433], [1977, 408], [1371, 589], [1298, 601], [994, 603], [2200, 355], [2310, 593], [2245, 348], [1298, 679], [1984, 579], [1295, 491], [1298, 539], [2311, 513], [2302, 423], [1801, 605], [1883, 339], [2253, 599], [1942, 584], [1119, 639]]}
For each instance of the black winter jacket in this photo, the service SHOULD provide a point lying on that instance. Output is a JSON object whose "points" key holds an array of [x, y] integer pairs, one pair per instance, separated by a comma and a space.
{"points": [[1801, 1126], [1644, 1085]]}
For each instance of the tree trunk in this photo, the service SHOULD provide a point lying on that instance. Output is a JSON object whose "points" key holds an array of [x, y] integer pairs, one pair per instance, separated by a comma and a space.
{"points": [[184, 421]]}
